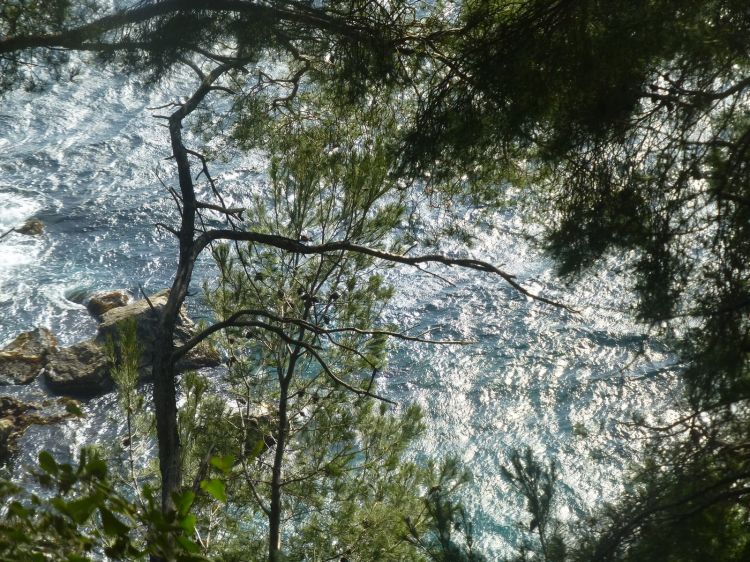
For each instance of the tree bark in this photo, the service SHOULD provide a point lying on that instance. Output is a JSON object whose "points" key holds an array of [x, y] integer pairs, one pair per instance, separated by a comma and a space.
{"points": [[274, 517], [164, 373]]}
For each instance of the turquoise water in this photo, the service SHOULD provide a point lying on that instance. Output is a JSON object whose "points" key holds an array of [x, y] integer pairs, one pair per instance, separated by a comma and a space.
{"points": [[86, 158]]}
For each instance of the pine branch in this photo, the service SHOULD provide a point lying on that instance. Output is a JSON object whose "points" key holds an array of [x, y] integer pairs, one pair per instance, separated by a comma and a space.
{"points": [[297, 247], [179, 352], [87, 36]]}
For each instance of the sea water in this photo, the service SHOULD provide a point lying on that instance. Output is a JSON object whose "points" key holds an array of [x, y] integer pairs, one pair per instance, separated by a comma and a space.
{"points": [[87, 157]]}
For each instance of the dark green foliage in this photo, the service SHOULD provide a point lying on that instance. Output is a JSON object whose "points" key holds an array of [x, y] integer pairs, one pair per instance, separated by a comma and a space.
{"points": [[630, 119], [536, 483], [626, 123], [79, 515], [306, 354]]}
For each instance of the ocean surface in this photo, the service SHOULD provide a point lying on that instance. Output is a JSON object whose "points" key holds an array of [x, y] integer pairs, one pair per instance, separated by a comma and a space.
{"points": [[86, 157]]}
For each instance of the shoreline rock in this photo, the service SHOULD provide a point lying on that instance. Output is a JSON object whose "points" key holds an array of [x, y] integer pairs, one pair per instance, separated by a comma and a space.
{"points": [[146, 318], [25, 357], [83, 369], [79, 370], [16, 416], [102, 302]]}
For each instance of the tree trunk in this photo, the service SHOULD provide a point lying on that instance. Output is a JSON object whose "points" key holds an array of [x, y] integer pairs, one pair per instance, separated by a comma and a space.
{"points": [[274, 517], [164, 372]]}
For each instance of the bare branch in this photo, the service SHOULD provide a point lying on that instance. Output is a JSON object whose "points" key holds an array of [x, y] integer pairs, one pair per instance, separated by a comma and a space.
{"points": [[357, 391], [223, 89], [195, 68], [235, 320], [295, 246], [219, 209], [148, 300], [170, 229], [204, 170], [179, 352], [87, 36]]}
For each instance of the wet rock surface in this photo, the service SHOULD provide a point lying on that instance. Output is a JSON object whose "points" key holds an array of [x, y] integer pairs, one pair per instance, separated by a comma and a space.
{"points": [[102, 302], [16, 415], [23, 358], [79, 370], [144, 314], [83, 369]]}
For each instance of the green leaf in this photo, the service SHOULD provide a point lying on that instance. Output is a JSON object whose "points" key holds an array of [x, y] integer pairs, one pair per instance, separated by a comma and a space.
{"points": [[111, 524], [224, 463], [215, 488], [188, 523], [187, 545], [257, 448], [183, 501], [18, 510], [47, 463], [81, 510], [97, 467]]}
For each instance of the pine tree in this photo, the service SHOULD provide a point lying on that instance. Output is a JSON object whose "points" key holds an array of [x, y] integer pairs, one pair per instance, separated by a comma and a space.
{"points": [[323, 89], [626, 122]]}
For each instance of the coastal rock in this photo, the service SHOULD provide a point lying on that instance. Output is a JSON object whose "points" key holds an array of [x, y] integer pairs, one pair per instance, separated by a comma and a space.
{"points": [[145, 315], [83, 369], [16, 416], [23, 358], [32, 227], [79, 370], [102, 302]]}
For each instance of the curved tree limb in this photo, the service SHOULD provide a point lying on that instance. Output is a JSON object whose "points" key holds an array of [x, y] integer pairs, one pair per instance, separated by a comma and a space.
{"points": [[86, 36], [288, 339], [295, 246], [235, 320]]}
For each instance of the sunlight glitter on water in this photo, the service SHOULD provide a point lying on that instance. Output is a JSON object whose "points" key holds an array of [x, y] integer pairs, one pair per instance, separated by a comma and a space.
{"points": [[85, 157]]}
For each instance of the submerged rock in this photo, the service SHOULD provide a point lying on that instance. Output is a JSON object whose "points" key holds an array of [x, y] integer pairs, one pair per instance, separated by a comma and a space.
{"points": [[79, 370], [32, 227], [16, 416], [23, 358], [102, 302]]}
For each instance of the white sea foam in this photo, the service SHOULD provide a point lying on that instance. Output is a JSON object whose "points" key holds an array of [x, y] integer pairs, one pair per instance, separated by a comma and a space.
{"points": [[15, 209]]}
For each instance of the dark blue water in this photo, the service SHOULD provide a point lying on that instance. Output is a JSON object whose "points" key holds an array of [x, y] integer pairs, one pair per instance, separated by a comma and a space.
{"points": [[86, 158]]}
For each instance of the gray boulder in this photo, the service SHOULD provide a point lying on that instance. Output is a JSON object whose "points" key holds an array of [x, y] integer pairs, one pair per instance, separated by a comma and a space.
{"points": [[79, 370], [83, 369], [23, 358], [146, 319], [104, 301]]}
